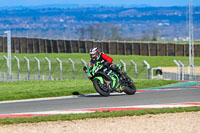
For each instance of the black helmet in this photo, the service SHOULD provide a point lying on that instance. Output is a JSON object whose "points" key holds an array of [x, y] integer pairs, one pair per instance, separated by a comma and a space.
{"points": [[94, 53]]}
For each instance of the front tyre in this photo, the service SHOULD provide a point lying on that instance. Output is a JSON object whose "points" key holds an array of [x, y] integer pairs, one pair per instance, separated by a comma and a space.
{"points": [[102, 89], [130, 88]]}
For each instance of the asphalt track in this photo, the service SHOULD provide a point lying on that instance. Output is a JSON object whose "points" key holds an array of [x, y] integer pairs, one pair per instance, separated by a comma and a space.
{"points": [[162, 95]]}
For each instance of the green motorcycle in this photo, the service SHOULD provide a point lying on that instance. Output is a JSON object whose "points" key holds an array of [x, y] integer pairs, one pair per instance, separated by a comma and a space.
{"points": [[106, 81]]}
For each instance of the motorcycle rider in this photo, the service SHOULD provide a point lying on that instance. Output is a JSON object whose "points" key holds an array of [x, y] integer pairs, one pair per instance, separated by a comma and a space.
{"points": [[97, 55]]}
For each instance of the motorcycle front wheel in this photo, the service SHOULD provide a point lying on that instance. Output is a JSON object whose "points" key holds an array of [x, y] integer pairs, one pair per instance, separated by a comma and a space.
{"points": [[102, 89]]}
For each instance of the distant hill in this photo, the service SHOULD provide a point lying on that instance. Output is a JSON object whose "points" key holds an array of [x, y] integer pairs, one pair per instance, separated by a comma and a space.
{"points": [[121, 23], [64, 6]]}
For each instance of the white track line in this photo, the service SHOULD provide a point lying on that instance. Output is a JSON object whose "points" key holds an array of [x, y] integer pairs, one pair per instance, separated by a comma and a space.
{"points": [[173, 105]]}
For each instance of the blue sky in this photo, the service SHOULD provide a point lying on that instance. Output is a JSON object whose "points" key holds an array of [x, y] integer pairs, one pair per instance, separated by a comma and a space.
{"points": [[101, 2]]}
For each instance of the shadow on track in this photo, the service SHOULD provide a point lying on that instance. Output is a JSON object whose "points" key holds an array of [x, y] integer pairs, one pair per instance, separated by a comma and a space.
{"points": [[97, 95]]}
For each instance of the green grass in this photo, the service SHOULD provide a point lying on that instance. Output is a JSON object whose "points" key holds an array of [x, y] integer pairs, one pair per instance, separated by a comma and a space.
{"points": [[154, 61], [105, 114], [40, 89]]}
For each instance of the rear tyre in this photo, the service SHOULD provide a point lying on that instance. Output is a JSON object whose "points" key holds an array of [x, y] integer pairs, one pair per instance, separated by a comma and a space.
{"points": [[101, 88], [130, 88]]}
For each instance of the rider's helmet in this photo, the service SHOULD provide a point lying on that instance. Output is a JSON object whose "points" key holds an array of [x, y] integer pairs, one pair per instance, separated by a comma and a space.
{"points": [[94, 53]]}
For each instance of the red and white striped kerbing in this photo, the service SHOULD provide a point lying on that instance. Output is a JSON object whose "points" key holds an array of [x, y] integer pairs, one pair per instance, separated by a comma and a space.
{"points": [[33, 114]]}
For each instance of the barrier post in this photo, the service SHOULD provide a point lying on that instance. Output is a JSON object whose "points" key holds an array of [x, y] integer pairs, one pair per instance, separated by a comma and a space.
{"points": [[85, 64], [182, 73], [73, 68], [18, 68], [49, 62], [133, 62], [7, 65], [178, 70], [148, 69], [38, 62], [60, 68], [124, 64], [28, 67], [9, 60]]}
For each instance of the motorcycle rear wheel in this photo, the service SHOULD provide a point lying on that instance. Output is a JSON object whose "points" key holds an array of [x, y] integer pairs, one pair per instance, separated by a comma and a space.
{"points": [[99, 88], [130, 88]]}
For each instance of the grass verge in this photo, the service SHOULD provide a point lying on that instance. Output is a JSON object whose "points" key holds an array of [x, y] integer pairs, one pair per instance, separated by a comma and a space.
{"points": [[96, 115], [40, 89]]}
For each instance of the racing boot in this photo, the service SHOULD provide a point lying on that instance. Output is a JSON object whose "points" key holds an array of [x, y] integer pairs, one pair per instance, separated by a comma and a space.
{"points": [[122, 75], [122, 78], [121, 89]]}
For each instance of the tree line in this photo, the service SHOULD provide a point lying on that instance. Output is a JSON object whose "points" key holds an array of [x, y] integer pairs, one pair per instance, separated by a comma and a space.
{"points": [[108, 31]]}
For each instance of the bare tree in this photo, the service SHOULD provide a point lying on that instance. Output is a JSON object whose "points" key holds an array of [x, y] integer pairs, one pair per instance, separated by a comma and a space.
{"points": [[81, 33], [155, 35], [146, 35], [91, 31], [104, 31], [115, 33]]}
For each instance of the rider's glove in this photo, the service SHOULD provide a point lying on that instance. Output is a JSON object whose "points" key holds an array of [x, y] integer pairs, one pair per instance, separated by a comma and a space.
{"points": [[89, 76], [106, 64]]}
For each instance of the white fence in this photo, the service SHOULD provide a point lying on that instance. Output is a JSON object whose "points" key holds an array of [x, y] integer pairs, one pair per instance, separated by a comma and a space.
{"points": [[34, 68]]}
